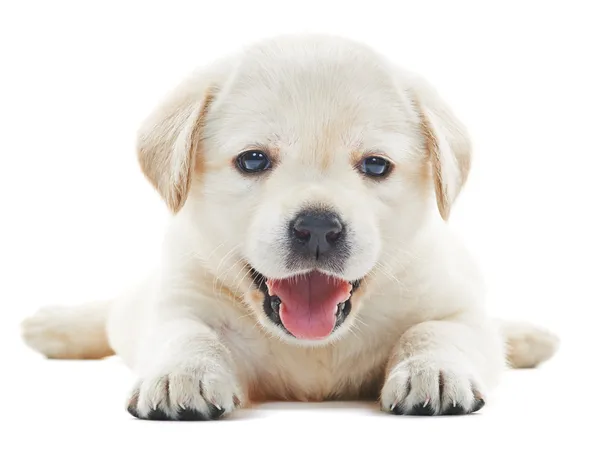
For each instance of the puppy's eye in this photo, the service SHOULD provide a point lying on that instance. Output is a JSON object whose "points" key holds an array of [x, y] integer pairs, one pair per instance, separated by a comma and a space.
{"points": [[253, 161], [375, 166]]}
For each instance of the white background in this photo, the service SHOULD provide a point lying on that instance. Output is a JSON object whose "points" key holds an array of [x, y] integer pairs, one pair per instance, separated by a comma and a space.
{"points": [[77, 217]]}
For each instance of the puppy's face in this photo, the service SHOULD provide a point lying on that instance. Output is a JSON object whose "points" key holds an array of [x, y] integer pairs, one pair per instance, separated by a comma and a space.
{"points": [[314, 169]]}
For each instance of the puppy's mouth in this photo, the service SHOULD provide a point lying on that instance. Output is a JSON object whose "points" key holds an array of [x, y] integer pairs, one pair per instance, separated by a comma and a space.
{"points": [[308, 306]]}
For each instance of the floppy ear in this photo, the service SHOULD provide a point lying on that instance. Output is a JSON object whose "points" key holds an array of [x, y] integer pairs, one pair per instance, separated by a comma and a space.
{"points": [[169, 140], [447, 144]]}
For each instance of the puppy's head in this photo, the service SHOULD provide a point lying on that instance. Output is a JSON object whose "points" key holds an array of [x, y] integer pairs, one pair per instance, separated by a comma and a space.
{"points": [[304, 167]]}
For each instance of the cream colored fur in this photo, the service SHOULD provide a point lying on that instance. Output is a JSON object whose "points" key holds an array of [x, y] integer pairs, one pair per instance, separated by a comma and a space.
{"points": [[195, 332]]}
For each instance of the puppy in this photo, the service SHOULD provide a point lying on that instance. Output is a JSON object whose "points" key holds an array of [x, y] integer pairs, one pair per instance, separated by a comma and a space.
{"points": [[308, 256]]}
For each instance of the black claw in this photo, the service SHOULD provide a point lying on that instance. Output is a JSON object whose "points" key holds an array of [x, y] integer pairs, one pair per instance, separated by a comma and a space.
{"points": [[479, 403], [190, 415], [398, 410], [157, 414], [132, 404], [455, 410], [131, 409], [215, 413], [422, 410]]}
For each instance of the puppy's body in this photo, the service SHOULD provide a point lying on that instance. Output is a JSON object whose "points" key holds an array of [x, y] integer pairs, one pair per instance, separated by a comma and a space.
{"points": [[200, 333]]}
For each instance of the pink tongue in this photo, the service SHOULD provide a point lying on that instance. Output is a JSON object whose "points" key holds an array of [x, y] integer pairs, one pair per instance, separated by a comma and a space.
{"points": [[309, 303]]}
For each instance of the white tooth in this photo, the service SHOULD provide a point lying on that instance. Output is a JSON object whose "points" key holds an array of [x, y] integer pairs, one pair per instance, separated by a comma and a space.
{"points": [[342, 306], [269, 290]]}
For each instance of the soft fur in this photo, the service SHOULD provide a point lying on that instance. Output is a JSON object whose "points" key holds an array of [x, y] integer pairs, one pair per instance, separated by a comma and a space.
{"points": [[417, 338]]}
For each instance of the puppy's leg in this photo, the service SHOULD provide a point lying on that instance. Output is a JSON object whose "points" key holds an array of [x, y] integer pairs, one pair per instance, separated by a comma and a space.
{"points": [[187, 373], [443, 367]]}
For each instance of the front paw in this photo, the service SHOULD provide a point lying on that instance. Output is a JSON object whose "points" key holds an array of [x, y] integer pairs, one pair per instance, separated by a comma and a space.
{"points": [[185, 394], [425, 387]]}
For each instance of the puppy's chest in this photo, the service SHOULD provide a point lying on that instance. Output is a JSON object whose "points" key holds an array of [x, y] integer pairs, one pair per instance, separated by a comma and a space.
{"points": [[314, 374], [350, 368]]}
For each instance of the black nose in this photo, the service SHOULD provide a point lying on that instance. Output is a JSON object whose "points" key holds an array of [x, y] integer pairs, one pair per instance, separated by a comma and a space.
{"points": [[316, 232]]}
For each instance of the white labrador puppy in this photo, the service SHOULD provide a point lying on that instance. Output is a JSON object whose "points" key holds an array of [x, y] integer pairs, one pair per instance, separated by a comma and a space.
{"points": [[308, 255]]}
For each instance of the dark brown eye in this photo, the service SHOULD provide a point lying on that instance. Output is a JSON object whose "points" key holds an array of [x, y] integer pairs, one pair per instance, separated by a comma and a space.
{"points": [[375, 166], [253, 161]]}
